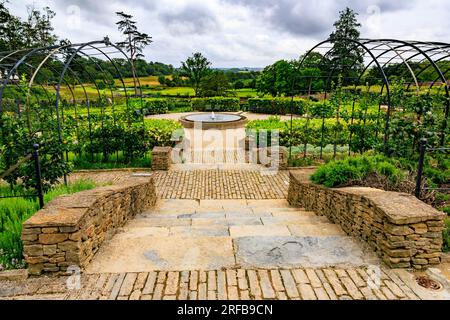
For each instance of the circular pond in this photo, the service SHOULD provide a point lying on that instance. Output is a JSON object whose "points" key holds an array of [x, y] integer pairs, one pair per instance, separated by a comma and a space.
{"points": [[213, 120]]}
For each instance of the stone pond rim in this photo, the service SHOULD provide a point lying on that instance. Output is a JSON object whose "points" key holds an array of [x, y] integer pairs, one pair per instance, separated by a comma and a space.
{"points": [[220, 121]]}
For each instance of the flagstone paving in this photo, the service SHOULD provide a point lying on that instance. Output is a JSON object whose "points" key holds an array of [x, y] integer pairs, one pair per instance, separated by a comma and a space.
{"points": [[213, 234]]}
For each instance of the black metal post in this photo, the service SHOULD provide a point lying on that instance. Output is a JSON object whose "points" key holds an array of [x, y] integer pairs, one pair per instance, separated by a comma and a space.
{"points": [[423, 149], [322, 138], [37, 166]]}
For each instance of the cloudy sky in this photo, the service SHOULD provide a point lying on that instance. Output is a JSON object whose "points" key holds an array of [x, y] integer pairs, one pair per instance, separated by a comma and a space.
{"points": [[238, 33]]}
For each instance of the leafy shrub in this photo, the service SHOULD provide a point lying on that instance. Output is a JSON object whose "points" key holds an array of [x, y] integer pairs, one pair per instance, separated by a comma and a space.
{"points": [[156, 106], [303, 131], [355, 169], [180, 105], [159, 132], [18, 141], [280, 106], [219, 104]]}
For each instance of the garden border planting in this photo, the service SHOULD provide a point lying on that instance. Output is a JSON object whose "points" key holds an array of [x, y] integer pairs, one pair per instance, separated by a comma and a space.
{"points": [[403, 231], [69, 230]]}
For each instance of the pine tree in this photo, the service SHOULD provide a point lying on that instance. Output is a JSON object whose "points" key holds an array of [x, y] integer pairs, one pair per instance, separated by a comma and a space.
{"points": [[347, 56], [134, 42]]}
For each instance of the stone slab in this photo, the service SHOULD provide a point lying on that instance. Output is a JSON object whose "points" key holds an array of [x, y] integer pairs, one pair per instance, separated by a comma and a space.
{"points": [[158, 222], [287, 252], [14, 275], [258, 231], [316, 230], [163, 253], [211, 231], [127, 234], [227, 222]]}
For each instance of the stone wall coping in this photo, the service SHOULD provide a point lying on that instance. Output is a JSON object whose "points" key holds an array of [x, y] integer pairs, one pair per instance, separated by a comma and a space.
{"points": [[162, 149], [68, 210], [399, 208]]}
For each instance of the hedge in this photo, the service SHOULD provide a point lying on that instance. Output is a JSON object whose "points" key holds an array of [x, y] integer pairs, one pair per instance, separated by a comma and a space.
{"points": [[156, 106], [280, 106], [220, 104]]}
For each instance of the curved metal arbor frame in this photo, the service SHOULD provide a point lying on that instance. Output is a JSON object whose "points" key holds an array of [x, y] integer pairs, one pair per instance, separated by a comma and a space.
{"points": [[62, 61], [388, 56]]}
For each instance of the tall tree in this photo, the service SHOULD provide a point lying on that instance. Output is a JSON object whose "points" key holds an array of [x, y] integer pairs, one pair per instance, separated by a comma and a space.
{"points": [[196, 68], [310, 75], [10, 28], [276, 79], [134, 42], [214, 84], [36, 31], [346, 55]]}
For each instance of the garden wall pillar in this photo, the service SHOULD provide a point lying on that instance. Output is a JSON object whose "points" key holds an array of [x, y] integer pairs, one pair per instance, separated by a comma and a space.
{"points": [[161, 158]]}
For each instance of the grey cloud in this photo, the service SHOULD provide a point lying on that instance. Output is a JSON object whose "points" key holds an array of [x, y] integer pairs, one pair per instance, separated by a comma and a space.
{"points": [[314, 18], [190, 19]]}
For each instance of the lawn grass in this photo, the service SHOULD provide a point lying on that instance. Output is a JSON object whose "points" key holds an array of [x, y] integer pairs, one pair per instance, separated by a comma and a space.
{"points": [[116, 161], [14, 211]]}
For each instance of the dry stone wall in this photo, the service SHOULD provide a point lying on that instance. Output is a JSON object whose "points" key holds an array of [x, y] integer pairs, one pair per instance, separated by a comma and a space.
{"points": [[161, 158], [403, 231], [69, 230]]}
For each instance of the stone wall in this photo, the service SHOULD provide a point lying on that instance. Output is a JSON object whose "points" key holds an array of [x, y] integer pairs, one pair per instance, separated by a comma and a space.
{"points": [[161, 158], [69, 230], [403, 231], [272, 158]]}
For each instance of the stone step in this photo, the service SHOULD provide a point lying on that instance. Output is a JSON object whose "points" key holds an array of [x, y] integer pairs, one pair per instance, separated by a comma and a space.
{"points": [[235, 231], [214, 219], [223, 214]]}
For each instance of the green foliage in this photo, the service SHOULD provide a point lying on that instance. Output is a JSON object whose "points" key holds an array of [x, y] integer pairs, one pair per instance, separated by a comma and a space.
{"points": [[196, 68], [36, 31], [214, 84], [14, 211], [134, 41], [277, 106], [160, 132], [277, 79], [346, 56], [18, 136], [156, 106], [219, 104], [352, 169]]}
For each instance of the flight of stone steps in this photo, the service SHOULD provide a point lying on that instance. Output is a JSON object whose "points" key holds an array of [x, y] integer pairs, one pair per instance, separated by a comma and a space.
{"points": [[214, 234]]}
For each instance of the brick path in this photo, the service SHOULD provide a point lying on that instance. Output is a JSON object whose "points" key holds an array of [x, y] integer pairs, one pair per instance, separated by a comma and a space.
{"points": [[232, 284], [205, 184], [221, 184]]}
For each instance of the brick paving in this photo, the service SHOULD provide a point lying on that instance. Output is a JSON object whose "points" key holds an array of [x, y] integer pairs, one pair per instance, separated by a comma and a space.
{"points": [[221, 184], [231, 284], [204, 184]]}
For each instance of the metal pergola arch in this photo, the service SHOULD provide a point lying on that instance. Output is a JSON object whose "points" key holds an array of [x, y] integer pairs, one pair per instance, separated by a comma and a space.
{"points": [[415, 56], [61, 61]]}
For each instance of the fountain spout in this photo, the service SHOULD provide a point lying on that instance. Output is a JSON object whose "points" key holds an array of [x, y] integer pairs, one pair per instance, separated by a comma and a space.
{"points": [[213, 116]]}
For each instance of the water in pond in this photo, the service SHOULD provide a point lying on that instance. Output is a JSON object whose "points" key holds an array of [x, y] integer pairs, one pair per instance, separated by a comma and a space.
{"points": [[211, 117]]}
